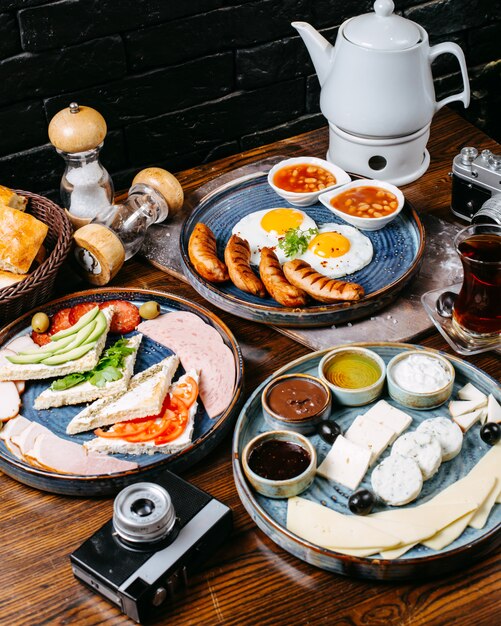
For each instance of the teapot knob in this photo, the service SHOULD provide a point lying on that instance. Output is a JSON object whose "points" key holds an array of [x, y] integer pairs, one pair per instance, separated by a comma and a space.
{"points": [[384, 8]]}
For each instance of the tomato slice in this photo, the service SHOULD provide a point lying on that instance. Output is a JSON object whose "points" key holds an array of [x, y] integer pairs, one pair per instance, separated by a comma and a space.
{"points": [[172, 433], [123, 429], [187, 391], [155, 428]]}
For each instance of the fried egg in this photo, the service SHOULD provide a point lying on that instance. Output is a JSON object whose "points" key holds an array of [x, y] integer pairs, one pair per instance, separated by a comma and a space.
{"points": [[265, 229], [337, 250]]}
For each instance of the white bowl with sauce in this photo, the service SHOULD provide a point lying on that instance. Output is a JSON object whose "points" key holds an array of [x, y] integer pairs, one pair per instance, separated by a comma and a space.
{"points": [[306, 198], [420, 379], [370, 222]]}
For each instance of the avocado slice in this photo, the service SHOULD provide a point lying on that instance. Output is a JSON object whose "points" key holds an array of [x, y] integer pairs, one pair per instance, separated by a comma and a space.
{"points": [[80, 338], [83, 321], [101, 326], [50, 348], [76, 353], [27, 359]]}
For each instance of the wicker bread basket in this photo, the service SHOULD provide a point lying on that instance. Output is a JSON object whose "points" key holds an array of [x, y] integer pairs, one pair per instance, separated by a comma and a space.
{"points": [[39, 285]]}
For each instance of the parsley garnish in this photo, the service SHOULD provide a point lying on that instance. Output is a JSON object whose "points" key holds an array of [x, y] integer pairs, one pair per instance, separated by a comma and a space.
{"points": [[108, 369], [295, 241]]}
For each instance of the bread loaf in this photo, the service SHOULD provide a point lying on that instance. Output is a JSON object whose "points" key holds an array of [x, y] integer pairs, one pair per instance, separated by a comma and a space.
{"points": [[11, 199], [21, 236]]}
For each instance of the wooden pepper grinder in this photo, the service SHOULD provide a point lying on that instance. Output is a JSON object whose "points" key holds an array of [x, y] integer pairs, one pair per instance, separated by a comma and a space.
{"points": [[77, 133], [102, 247]]}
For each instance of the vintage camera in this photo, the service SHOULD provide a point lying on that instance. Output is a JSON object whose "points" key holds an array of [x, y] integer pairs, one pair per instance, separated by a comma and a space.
{"points": [[159, 534], [476, 186]]}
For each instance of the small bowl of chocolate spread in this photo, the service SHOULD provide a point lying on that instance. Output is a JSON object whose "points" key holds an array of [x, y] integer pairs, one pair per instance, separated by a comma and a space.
{"points": [[279, 463], [297, 402]]}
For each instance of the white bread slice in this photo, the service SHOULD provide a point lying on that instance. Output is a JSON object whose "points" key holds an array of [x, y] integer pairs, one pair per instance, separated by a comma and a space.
{"points": [[145, 396], [87, 392], [120, 446], [38, 371]]}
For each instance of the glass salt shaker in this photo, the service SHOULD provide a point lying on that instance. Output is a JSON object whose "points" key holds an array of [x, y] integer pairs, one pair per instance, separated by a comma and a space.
{"points": [[117, 234], [77, 133]]}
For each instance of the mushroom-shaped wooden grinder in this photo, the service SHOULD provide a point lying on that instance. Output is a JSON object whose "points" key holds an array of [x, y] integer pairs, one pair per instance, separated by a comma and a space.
{"points": [[102, 246], [77, 133]]}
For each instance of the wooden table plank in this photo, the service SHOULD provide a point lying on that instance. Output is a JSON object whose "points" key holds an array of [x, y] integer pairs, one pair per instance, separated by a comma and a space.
{"points": [[250, 580]]}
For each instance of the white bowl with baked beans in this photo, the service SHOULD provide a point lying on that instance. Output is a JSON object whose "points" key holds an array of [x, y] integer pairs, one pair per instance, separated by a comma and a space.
{"points": [[367, 204], [301, 180]]}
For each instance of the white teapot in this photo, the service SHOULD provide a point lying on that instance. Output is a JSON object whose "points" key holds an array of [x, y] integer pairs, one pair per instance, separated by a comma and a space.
{"points": [[377, 81]]}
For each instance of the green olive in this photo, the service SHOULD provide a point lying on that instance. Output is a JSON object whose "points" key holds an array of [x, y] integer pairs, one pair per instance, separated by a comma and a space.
{"points": [[149, 310], [40, 322]]}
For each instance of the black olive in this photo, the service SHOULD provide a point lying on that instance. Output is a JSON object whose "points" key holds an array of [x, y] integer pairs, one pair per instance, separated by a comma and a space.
{"points": [[329, 431], [491, 433], [445, 303], [361, 502]]}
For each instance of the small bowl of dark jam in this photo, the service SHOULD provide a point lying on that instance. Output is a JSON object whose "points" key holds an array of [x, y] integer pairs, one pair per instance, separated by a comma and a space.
{"points": [[279, 463], [297, 402]]}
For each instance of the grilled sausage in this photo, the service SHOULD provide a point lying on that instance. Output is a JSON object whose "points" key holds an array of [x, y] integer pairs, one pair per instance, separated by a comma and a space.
{"points": [[275, 282], [203, 255], [237, 257], [318, 286]]}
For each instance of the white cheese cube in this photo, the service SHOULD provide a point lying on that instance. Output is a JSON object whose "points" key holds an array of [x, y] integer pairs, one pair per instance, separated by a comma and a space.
{"points": [[346, 463], [370, 434], [493, 410], [390, 417], [483, 414], [466, 420], [469, 392], [461, 407]]}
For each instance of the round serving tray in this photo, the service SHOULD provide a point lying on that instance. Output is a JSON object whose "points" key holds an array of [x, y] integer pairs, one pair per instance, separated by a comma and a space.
{"points": [[270, 515], [398, 251], [207, 434]]}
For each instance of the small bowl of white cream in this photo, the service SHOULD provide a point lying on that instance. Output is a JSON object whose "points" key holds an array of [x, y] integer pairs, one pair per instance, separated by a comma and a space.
{"points": [[420, 379]]}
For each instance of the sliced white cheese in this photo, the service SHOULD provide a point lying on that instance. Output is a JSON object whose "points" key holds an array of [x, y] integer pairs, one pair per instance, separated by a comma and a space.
{"points": [[461, 407], [424, 448], [370, 434], [479, 520], [447, 432], [324, 527], [346, 463], [466, 421], [493, 410], [469, 392], [483, 414], [397, 480], [396, 553], [386, 415]]}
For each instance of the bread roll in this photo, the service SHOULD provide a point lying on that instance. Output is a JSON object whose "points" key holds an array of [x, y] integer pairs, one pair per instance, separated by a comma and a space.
{"points": [[21, 236]]}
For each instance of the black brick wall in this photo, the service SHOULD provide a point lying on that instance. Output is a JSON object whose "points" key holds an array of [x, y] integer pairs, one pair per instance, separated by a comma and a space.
{"points": [[182, 82]]}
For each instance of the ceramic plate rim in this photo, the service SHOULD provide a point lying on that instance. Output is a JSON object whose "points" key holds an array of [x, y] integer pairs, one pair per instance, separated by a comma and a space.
{"points": [[238, 389]]}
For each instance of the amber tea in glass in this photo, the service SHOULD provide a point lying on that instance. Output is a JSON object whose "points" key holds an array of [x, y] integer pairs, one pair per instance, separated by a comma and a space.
{"points": [[477, 309]]}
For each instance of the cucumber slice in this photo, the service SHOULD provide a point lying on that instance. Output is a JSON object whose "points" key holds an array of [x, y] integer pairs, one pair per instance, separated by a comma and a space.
{"points": [[50, 348], [80, 338], [26, 359], [101, 326], [72, 355], [83, 321]]}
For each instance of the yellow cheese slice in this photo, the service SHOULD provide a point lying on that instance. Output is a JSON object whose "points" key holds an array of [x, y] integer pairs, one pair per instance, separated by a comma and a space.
{"points": [[396, 553], [358, 552], [325, 527], [479, 520]]}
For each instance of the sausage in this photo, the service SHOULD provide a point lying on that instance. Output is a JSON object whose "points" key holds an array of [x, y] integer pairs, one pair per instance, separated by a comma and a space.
{"points": [[237, 256], [318, 286], [275, 282], [203, 254]]}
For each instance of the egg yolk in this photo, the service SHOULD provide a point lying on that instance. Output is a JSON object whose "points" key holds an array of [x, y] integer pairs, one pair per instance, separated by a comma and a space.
{"points": [[280, 220], [329, 245]]}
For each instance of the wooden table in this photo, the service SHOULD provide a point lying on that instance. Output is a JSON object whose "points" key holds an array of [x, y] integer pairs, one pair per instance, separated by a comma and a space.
{"points": [[250, 580]]}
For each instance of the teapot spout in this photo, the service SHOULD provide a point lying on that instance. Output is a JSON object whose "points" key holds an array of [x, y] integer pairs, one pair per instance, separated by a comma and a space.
{"points": [[319, 48]]}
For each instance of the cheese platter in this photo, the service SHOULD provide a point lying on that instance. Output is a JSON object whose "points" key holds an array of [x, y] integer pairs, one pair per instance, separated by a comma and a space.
{"points": [[447, 518], [113, 384]]}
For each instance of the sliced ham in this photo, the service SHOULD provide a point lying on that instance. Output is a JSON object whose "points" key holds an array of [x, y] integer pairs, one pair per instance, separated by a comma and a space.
{"points": [[66, 457], [10, 402], [21, 386], [14, 428], [20, 344], [198, 346]]}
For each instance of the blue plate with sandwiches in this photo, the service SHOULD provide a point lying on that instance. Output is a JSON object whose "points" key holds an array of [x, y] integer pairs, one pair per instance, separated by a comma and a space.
{"points": [[382, 262], [103, 397]]}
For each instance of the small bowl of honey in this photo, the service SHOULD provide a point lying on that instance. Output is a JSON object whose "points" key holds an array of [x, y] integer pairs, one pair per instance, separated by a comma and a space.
{"points": [[301, 180], [279, 463], [354, 375], [367, 204]]}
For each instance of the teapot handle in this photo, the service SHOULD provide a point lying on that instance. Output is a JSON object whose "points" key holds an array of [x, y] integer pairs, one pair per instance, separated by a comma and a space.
{"points": [[453, 48]]}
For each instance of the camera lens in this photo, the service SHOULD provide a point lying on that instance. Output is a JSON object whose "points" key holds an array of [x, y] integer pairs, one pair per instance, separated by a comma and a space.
{"points": [[143, 513]]}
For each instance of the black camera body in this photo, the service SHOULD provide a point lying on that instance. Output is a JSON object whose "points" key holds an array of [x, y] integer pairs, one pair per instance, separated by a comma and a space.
{"points": [[159, 534], [476, 186]]}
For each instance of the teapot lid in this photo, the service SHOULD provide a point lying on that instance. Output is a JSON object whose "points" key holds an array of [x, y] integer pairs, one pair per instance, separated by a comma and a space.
{"points": [[382, 30]]}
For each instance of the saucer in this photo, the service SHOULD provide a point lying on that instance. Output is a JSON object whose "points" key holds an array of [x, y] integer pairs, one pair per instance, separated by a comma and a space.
{"points": [[461, 343]]}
